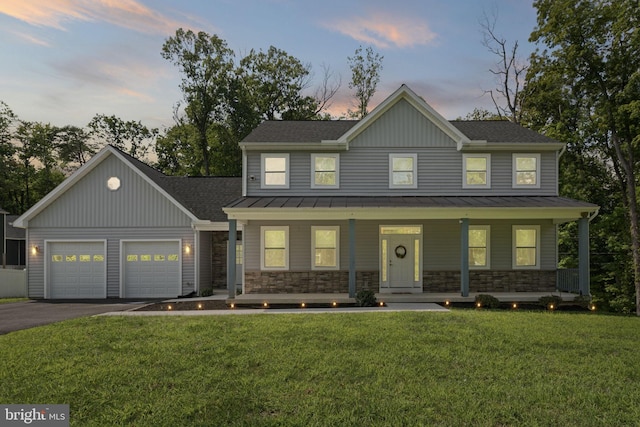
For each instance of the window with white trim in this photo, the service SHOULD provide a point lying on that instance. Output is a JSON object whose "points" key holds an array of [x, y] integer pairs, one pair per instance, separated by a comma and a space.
{"points": [[403, 170], [325, 170], [476, 171], [275, 170], [325, 244], [479, 246], [526, 170], [526, 246], [274, 244]]}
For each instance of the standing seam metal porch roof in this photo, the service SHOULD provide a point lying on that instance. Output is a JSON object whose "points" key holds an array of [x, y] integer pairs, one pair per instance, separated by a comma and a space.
{"points": [[410, 202]]}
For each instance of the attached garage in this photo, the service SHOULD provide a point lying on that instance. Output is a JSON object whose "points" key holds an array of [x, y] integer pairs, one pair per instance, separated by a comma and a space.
{"points": [[76, 269], [151, 269]]}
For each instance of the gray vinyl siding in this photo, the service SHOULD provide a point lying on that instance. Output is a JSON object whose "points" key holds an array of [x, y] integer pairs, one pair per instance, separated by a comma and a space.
{"points": [[113, 236], [441, 243], [364, 168], [365, 171], [89, 203]]}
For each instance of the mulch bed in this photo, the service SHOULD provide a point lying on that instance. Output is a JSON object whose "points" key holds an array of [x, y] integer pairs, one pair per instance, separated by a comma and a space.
{"points": [[186, 305]]}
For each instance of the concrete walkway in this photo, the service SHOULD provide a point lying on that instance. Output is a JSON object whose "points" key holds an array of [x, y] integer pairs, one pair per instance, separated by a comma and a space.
{"points": [[389, 308]]}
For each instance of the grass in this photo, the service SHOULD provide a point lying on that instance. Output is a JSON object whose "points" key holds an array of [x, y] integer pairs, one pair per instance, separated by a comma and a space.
{"points": [[11, 300], [466, 367]]}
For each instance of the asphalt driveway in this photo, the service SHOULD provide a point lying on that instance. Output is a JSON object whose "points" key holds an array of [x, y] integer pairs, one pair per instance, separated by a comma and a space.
{"points": [[29, 314]]}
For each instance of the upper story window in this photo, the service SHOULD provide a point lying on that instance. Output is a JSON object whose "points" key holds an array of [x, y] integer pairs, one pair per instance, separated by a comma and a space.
{"points": [[476, 171], [526, 246], [403, 170], [526, 170], [325, 170], [275, 170]]}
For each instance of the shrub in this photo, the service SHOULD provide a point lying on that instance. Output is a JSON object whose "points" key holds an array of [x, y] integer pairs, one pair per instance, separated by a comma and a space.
{"points": [[366, 298], [206, 292], [548, 300], [488, 301]]}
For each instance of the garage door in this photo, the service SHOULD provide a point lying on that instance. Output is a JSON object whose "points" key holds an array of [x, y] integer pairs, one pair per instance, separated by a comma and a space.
{"points": [[151, 269], [76, 270]]}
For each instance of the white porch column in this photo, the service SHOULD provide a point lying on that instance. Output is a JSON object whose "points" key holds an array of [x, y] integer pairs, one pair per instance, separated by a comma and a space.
{"points": [[464, 257], [231, 259]]}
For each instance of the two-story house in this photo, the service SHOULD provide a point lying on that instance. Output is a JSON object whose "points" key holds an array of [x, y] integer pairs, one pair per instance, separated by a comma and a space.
{"points": [[402, 201]]}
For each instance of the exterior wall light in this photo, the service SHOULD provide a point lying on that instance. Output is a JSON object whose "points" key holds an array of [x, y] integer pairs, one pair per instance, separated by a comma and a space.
{"points": [[35, 250], [187, 249]]}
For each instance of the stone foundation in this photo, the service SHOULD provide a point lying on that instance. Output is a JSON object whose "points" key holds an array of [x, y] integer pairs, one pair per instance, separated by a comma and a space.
{"points": [[306, 282], [321, 282]]}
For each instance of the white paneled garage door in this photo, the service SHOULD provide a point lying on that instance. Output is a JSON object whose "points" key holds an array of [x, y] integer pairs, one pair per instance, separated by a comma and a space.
{"points": [[151, 269], [76, 270]]}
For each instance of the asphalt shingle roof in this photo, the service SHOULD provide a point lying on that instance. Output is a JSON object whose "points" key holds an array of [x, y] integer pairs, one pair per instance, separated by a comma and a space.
{"points": [[496, 131]]}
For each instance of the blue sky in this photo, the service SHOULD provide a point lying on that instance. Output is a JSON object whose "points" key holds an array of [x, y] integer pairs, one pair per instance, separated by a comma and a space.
{"points": [[66, 60]]}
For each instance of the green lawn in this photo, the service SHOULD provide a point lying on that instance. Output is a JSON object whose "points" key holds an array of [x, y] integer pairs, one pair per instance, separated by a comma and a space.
{"points": [[12, 300], [466, 367]]}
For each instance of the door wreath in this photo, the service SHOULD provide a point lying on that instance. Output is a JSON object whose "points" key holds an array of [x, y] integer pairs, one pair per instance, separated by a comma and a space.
{"points": [[401, 251]]}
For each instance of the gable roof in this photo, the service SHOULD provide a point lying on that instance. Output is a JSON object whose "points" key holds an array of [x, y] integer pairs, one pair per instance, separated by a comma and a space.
{"points": [[341, 132], [201, 199]]}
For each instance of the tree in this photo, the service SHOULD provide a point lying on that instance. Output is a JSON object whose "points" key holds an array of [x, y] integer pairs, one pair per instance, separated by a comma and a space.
{"points": [[206, 66], [130, 136], [8, 165], [592, 61], [510, 71], [75, 147], [365, 76]]}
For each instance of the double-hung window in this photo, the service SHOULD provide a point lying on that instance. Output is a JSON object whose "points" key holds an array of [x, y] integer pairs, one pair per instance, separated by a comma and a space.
{"points": [[274, 244], [403, 170], [275, 170], [477, 171], [479, 246], [325, 170], [526, 170], [526, 246], [325, 244]]}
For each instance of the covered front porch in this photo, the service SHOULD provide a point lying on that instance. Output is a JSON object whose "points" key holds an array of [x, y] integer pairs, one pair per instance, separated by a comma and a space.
{"points": [[439, 298]]}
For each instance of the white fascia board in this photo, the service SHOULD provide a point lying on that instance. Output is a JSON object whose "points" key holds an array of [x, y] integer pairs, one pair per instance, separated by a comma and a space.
{"points": [[213, 225], [317, 214], [23, 220]]}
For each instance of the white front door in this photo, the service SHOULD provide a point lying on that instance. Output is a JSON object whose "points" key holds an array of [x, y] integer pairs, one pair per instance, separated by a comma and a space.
{"points": [[400, 259]]}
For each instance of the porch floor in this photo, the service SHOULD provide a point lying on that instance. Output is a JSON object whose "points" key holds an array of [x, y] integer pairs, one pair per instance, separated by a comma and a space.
{"points": [[519, 297]]}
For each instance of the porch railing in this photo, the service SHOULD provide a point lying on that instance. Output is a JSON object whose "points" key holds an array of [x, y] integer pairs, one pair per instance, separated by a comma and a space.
{"points": [[568, 280]]}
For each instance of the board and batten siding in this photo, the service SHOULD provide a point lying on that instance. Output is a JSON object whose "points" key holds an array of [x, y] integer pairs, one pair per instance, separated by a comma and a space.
{"points": [[89, 203], [364, 168], [113, 236], [441, 243]]}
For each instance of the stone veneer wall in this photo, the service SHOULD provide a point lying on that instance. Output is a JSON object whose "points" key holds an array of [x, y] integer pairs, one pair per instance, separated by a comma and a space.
{"points": [[492, 281], [266, 282], [219, 258], [306, 282]]}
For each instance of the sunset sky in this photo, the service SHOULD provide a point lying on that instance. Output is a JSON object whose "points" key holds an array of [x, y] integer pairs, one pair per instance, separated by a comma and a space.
{"points": [[63, 61]]}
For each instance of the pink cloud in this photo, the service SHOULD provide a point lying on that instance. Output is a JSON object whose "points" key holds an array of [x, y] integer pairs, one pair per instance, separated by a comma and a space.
{"points": [[382, 30], [124, 13]]}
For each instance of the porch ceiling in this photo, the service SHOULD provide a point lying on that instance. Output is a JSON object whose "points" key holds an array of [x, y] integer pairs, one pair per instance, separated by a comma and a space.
{"points": [[409, 207]]}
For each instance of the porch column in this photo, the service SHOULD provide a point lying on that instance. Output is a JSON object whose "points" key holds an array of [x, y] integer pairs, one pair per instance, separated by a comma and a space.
{"points": [[583, 256], [231, 259], [464, 257], [352, 258]]}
